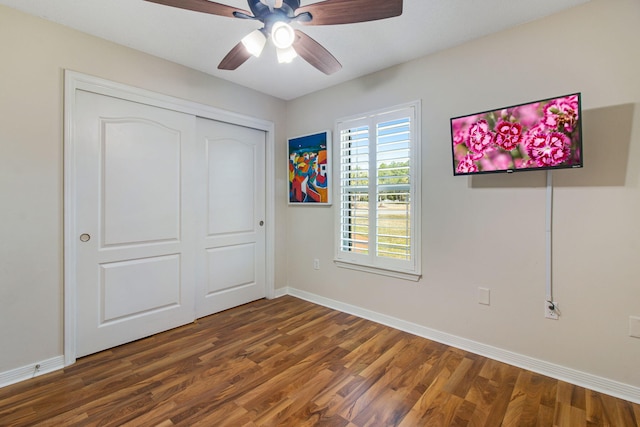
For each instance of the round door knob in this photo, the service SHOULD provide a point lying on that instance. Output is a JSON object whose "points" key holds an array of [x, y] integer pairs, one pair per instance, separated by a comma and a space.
{"points": [[84, 237], [261, 223]]}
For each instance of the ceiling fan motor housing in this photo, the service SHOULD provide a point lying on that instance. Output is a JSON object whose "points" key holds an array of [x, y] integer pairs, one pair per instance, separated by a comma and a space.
{"points": [[262, 12]]}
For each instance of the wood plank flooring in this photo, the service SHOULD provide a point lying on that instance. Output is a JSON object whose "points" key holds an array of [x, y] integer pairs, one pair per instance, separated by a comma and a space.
{"points": [[288, 362]]}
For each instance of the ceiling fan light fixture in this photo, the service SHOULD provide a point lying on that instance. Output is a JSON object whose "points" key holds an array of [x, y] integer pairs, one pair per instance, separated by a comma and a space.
{"points": [[282, 35], [254, 42], [286, 55]]}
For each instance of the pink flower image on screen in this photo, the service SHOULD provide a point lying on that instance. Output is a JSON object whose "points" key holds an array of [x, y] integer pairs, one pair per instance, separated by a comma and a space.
{"points": [[561, 114], [479, 136], [540, 134], [549, 149], [528, 115], [497, 160], [467, 165], [508, 135]]}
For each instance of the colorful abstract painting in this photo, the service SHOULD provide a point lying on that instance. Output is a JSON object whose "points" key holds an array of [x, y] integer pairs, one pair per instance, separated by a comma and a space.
{"points": [[309, 169]]}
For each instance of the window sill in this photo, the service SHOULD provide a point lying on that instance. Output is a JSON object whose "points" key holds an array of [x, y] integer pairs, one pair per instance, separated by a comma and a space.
{"points": [[380, 271]]}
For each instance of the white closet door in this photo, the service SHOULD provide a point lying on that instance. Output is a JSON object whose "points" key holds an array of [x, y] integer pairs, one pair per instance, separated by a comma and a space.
{"points": [[231, 242], [135, 181]]}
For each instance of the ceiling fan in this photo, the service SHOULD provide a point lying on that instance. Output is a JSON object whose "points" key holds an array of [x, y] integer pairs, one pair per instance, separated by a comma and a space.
{"points": [[276, 15]]}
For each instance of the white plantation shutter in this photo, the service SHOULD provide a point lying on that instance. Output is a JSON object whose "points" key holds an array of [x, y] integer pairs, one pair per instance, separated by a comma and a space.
{"points": [[354, 185], [393, 189], [379, 183]]}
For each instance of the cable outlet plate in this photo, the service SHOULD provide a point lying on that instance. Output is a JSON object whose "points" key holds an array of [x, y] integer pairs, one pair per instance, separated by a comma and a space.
{"points": [[484, 296], [551, 313]]}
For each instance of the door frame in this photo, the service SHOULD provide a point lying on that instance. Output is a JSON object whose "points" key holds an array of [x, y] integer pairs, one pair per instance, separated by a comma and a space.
{"points": [[74, 81]]}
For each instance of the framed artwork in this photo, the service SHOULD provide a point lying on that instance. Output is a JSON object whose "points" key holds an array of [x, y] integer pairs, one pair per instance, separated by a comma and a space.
{"points": [[310, 169]]}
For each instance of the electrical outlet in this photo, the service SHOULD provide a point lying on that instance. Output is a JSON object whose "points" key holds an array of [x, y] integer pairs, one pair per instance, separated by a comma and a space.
{"points": [[316, 264], [484, 296], [551, 310], [634, 326]]}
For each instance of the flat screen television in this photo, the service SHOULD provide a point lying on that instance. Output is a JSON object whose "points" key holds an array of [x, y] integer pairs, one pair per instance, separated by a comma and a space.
{"points": [[545, 134]]}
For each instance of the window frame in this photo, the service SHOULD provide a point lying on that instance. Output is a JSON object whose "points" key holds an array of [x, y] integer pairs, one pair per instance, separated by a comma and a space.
{"points": [[371, 262]]}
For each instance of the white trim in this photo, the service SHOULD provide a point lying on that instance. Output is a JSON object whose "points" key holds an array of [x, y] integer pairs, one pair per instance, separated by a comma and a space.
{"points": [[75, 81], [280, 292], [377, 270], [30, 371], [563, 373]]}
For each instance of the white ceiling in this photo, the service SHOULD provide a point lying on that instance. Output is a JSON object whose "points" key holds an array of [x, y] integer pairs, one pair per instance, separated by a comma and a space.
{"points": [[200, 41]]}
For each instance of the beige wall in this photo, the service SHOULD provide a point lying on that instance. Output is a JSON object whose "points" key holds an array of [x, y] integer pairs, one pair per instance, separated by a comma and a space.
{"points": [[33, 55], [489, 231]]}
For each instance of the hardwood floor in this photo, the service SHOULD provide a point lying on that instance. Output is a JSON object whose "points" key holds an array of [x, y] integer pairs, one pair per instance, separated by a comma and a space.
{"points": [[288, 362]]}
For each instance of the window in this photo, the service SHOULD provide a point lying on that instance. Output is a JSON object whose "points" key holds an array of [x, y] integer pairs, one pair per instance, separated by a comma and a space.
{"points": [[379, 192]]}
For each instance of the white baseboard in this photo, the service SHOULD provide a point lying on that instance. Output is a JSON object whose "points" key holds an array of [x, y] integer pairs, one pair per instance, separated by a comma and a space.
{"points": [[572, 376], [30, 371], [280, 292]]}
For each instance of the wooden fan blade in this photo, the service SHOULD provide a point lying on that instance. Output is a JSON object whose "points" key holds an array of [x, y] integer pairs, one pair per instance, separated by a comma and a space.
{"points": [[235, 58], [204, 6], [316, 55], [332, 12]]}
